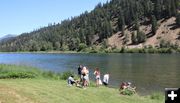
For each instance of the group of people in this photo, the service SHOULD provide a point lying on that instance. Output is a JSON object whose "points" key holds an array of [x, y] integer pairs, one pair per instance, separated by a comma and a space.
{"points": [[83, 73], [84, 81]]}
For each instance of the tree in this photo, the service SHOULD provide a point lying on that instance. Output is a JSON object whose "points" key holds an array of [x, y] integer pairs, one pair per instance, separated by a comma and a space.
{"points": [[121, 22], [136, 23], [154, 24], [82, 46], [57, 46], [141, 37], [173, 7], [157, 9], [178, 19], [126, 39], [123, 30], [133, 38]]}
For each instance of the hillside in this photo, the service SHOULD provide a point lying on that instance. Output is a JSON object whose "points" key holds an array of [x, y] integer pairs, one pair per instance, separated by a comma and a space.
{"points": [[7, 37], [167, 32], [113, 25]]}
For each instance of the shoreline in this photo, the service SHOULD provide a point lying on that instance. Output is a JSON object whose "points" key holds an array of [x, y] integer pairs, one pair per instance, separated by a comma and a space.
{"points": [[48, 83], [109, 51]]}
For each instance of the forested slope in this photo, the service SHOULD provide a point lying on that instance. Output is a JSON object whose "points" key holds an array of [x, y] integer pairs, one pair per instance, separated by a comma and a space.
{"points": [[125, 18]]}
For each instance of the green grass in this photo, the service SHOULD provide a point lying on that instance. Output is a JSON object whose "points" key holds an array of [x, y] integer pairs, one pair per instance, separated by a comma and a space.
{"points": [[51, 90], [14, 71]]}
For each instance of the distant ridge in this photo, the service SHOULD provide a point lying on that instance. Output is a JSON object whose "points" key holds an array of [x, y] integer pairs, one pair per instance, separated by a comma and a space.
{"points": [[7, 37]]}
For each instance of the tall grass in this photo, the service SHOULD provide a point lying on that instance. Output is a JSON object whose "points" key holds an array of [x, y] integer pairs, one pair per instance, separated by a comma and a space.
{"points": [[14, 71]]}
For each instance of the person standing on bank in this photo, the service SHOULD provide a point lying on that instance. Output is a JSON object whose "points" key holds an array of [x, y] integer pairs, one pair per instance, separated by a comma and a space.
{"points": [[79, 72], [85, 77], [97, 74], [106, 79]]}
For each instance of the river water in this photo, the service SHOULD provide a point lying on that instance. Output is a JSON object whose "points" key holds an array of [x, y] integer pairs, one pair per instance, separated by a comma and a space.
{"points": [[148, 72]]}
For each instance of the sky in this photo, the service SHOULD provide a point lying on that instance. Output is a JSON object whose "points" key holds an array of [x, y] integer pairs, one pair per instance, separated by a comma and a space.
{"points": [[20, 16]]}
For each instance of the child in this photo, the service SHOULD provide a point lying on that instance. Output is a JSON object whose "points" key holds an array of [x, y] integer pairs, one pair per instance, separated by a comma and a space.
{"points": [[106, 79], [97, 74]]}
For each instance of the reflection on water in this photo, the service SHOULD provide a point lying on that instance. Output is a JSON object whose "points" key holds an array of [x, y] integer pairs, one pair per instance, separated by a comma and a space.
{"points": [[149, 72]]}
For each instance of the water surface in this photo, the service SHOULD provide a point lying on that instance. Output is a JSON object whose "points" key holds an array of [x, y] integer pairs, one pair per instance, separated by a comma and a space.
{"points": [[149, 72]]}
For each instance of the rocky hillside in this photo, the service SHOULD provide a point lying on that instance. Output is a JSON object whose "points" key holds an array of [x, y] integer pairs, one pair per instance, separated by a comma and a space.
{"points": [[167, 32]]}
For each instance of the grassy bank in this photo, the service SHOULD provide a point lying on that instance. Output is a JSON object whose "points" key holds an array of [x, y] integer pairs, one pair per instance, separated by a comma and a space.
{"points": [[51, 88]]}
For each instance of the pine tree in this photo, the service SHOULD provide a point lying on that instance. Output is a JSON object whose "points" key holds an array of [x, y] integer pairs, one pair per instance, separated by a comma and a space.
{"points": [[154, 24], [126, 39], [173, 8], [123, 30], [178, 19], [133, 38], [136, 23], [141, 37], [121, 22], [157, 9]]}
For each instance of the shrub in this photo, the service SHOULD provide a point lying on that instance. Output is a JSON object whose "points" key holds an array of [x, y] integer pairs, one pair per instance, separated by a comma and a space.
{"points": [[12, 71], [18, 75], [126, 92], [48, 74], [65, 75], [82, 47]]}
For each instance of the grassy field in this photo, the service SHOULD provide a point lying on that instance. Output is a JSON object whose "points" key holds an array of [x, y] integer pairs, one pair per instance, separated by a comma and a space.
{"points": [[41, 89]]}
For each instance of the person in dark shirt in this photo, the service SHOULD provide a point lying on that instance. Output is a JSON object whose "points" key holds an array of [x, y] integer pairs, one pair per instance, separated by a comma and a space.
{"points": [[79, 72]]}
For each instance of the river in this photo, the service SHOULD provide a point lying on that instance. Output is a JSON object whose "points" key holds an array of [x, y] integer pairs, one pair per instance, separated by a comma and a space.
{"points": [[148, 72]]}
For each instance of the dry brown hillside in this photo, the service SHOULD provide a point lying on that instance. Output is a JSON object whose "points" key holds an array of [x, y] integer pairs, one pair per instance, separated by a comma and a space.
{"points": [[167, 31]]}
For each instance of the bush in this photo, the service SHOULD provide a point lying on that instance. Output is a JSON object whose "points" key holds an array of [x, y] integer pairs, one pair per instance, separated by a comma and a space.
{"points": [[18, 75], [12, 71], [126, 92], [82, 47], [65, 75], [48, 74]]}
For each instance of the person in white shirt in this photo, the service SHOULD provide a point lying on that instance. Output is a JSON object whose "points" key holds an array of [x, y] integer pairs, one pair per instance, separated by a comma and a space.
{"points": [[71, 81], [106, 79]]}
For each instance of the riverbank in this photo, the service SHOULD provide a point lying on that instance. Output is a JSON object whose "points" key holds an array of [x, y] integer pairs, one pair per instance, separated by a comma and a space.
{"points": [[47, 87], [100, 50]]}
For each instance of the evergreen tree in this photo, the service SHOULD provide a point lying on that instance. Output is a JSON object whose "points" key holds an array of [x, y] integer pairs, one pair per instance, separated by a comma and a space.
{"points": [[157, 9], [173, 7], [136, 23], [123, 30], [154, 24], [178, 19], [133, 38], [141, 37], [126, 39], [121, 22]]}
